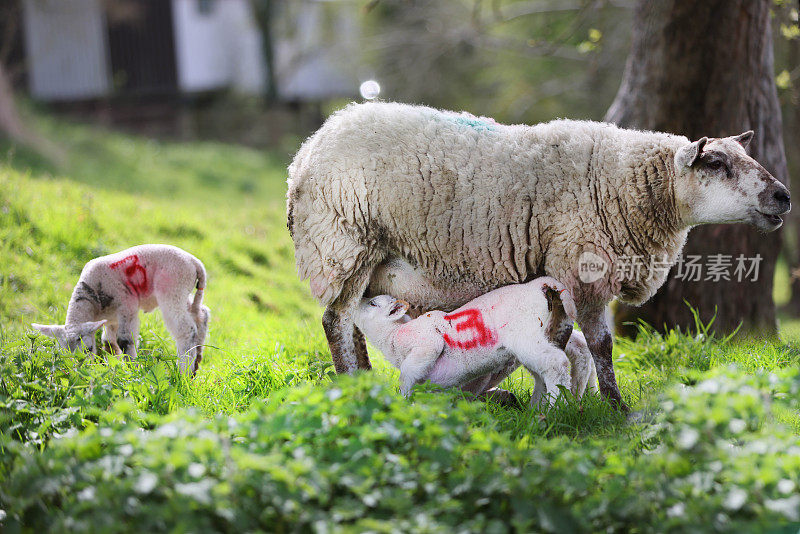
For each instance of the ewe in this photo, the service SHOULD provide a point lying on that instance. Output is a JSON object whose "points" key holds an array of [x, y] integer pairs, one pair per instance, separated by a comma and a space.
{"points": [[112, 289], [441, 207], [476, 346]]}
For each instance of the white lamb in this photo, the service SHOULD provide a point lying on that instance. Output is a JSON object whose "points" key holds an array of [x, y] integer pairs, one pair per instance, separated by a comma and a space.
{"points": [[488, 337], [112, 289]]}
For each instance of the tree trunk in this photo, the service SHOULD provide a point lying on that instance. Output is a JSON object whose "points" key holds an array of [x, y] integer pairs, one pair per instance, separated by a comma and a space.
{"points": [[706, 69], [792, 253]]}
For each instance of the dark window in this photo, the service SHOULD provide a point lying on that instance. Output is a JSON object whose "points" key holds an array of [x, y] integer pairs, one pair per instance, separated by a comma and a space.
{"points": [[143, 51], [206, 7]]}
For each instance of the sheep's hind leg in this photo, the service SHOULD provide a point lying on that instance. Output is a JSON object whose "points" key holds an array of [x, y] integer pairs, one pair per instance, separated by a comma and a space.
{"points": [[337, 321]]}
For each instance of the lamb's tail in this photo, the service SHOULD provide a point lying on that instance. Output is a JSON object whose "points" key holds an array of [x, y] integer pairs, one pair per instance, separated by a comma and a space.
{"points": [[201, 285], [555, 291]]}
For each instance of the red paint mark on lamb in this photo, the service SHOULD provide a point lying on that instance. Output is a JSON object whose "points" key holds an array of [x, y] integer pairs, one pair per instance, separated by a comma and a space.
{"points": [[473, 322], [135, 274]]}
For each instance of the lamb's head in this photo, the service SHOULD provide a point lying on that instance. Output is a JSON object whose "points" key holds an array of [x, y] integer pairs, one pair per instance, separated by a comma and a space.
{"points": [[71, 337], [717, 182], [380, 310]]}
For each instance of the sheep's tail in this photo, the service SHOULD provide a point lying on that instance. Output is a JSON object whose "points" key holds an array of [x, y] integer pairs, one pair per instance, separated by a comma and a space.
{"points": [[201, 285]]}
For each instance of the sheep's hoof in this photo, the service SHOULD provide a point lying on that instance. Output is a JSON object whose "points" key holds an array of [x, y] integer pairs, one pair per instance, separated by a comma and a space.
{"points": [[502, 397]]}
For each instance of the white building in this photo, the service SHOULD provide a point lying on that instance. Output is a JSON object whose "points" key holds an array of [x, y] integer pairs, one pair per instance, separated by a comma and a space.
{"points": [[76, 50]]}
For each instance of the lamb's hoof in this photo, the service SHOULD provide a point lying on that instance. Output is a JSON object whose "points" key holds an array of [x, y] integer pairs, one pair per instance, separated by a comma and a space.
{"points": [[502, 397]]}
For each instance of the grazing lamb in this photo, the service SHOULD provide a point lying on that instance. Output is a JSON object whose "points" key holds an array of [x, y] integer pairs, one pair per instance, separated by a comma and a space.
{"points": [[113, 288], [485, 340], [441, 207]]}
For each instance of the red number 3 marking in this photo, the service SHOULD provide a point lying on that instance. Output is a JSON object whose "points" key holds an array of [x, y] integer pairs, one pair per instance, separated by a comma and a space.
{"points": [[473, 321], [135, 274]]}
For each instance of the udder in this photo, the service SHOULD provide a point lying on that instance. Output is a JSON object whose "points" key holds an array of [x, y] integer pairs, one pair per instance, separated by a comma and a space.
{"points": [[421, 289]]}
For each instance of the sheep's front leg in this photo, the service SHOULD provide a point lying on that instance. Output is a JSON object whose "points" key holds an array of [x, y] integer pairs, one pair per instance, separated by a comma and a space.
{"points": [[601, 343], [362, 355], [337, 321]]}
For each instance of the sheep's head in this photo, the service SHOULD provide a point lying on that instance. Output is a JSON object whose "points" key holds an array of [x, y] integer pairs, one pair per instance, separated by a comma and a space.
{"points": [[71, 337], [717, 182], [381, 309]]}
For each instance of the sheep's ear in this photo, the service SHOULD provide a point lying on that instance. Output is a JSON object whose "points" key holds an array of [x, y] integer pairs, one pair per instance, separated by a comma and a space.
{"points": [[56, 331], [89, 327], [688, 155], [744, 138]]}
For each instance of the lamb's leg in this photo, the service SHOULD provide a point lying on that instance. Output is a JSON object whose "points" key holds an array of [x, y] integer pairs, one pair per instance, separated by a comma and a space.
{"points": [[201, 321], [416, 366], [128, 332], [539, 389], [109, 339], [490, 391], [337, 321], [548, 362], [601, 343], [581, 364], [182, 326]]}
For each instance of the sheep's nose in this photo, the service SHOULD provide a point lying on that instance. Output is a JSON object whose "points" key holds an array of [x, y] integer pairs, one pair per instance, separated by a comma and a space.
{"points": [[782, 199]]}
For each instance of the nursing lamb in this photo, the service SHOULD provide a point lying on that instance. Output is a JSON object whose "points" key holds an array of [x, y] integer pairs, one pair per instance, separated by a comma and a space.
{"points": [[112, 289], [489, 336], [439, 207]]}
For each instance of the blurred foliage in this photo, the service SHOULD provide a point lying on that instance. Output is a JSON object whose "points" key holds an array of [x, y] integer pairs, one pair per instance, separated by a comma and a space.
{"points": [[354, 456], [517, 61]]}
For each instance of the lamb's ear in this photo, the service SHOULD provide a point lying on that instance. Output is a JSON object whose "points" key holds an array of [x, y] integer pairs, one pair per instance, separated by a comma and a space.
{"points": [[89, 327], [56, 331], [686, 156], [744, 138]]}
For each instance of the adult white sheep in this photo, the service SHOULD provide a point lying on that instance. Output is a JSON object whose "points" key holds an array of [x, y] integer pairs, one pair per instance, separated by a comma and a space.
{"points": [[438, 208], [112, 289], [488, 337]]}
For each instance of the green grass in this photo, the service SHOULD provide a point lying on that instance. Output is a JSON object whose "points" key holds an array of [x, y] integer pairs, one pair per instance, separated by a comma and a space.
{"points": [[266, 391]]}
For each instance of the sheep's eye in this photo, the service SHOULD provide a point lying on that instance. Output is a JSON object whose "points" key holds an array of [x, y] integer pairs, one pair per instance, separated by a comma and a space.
{"points": [[373, 303], [715, 164]]}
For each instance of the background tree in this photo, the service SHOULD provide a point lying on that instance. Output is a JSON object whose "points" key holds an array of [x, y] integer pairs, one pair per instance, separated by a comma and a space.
{"points": [[706, 68]]}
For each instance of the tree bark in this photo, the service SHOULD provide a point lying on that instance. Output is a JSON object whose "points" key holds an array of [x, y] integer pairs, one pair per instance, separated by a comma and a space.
{"points": [[706, 69]]}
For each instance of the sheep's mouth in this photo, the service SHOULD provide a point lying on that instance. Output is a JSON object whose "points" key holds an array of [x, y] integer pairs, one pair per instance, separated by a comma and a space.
{"points": [[773, 220]]}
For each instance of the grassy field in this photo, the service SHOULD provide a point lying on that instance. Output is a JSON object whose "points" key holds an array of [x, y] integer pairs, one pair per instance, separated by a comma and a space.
{"points": [[267, 437]]}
